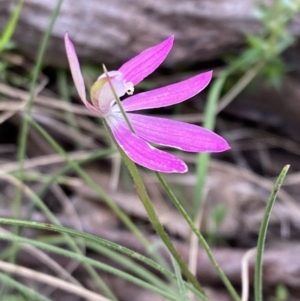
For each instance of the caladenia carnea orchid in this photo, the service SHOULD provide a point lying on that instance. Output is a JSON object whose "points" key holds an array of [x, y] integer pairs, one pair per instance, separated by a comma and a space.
{"points": [[160, 131]]}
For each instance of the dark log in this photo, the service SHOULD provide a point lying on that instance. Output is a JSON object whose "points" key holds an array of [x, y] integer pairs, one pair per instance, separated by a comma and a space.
{"points": [[113, 31]]}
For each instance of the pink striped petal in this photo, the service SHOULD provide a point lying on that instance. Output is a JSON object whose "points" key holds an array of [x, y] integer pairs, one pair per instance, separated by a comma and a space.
{"points": [[76, 72], [168, 95], [185, 136], [146, 62], [142, 153]]}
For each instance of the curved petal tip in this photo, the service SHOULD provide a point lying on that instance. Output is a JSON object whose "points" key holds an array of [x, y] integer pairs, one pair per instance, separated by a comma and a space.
{"points": [[139, 67], [76, 72], [144, 154]]}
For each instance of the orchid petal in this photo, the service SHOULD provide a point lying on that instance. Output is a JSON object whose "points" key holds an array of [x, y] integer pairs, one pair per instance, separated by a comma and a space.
{"points": [[139, 67], [185, 136], [76, 72], [168, 95], [141, 152]]}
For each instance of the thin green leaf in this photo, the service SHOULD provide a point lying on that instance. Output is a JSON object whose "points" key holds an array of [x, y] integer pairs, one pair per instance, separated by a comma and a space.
{"points": [[10, 26], [180, 282], [25, 124], [86, 260], [29, 292], [201, 239], [262, 236]]}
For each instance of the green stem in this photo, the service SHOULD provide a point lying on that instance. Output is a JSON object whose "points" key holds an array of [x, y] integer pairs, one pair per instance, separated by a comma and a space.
{"points": [[202, 240], [203, 158], [262, 235], [211, 112], [143, 195], [25, 124]]}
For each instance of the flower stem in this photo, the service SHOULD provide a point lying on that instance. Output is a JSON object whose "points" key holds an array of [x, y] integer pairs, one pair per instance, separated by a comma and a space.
{"points": [[143, 195]]}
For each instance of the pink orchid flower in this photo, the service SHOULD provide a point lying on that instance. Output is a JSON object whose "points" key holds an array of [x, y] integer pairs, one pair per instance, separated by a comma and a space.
{"points": [[160, 131]]}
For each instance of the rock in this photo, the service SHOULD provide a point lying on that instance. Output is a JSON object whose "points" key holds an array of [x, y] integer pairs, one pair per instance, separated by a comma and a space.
{"points": [[113, 31]]}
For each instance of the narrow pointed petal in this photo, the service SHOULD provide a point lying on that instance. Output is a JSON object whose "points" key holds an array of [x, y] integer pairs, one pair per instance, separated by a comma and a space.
{"points": [[185, 136], [142, 153], [168, 95], [76, 72], [146, 62]]}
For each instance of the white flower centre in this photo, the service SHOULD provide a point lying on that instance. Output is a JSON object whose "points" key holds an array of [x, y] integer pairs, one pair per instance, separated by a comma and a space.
{"points": [[102, 95]]}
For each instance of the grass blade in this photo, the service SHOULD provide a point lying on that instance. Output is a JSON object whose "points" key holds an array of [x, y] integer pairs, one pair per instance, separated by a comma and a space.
{"points": [[262, 235]]}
